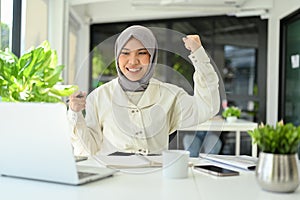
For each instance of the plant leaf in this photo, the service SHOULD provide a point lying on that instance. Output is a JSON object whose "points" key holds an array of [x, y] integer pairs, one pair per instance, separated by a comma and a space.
{"points": [[33, 77], [64, 90]]}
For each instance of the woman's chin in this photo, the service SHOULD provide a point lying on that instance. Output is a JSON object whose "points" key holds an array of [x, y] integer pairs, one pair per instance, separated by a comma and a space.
{"points": [[133, 78]]}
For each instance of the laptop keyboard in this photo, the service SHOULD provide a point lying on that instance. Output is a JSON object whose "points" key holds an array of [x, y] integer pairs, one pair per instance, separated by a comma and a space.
{"points": [[84, 174]]}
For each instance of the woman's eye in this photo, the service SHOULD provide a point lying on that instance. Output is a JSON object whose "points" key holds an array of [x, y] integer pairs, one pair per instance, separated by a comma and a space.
{"points": [[124, 53], [143, 53]]}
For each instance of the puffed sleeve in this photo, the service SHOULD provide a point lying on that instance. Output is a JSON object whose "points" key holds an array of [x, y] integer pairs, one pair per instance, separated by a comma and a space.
{"points": [[205, 103]]}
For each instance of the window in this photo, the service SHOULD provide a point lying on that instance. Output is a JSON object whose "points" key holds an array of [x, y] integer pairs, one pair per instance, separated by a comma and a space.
{"points": [[239, 76], [10, 29], [239, 69], [289, 106], [6, 18]]}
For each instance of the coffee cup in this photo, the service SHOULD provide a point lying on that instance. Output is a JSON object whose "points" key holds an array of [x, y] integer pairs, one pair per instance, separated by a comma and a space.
{"points": [[175, 163]]}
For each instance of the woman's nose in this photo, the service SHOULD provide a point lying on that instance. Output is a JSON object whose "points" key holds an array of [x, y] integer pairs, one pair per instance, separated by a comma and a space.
{"points": [[133, 59]]}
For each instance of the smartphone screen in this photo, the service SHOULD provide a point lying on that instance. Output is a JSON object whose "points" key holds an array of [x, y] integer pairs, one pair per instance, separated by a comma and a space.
{"points": [[215, 170]]}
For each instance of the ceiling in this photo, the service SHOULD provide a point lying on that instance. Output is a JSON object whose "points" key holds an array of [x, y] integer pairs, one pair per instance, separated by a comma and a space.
{"points": [[105, 11]]}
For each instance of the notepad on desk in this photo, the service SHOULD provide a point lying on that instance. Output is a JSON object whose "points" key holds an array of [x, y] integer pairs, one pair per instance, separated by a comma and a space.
{"points": [[130, 161], [243, 161]]}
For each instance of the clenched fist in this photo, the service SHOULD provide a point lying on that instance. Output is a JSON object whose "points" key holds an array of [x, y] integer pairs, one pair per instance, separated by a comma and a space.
{"points": [[77, 101], [192, 42]]}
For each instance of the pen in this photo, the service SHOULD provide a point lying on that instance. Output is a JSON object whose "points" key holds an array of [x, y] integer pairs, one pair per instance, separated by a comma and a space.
{"points": [[78, 96], [152, 163]]}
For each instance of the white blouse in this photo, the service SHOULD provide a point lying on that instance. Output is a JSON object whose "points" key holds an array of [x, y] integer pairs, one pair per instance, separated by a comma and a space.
{"points": [[114, 123]]}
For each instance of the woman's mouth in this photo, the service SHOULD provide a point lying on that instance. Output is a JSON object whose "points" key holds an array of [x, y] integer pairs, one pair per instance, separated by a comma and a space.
{"points": [[134, 69]]}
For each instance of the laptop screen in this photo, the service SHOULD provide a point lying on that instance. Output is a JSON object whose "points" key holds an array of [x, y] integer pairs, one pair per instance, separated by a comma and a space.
{"points": [[35, 141]]}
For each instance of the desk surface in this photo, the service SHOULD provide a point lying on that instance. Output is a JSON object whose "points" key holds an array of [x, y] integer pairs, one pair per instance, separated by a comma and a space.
{"points": [[223, 125], [219, 124], [147, 186]]}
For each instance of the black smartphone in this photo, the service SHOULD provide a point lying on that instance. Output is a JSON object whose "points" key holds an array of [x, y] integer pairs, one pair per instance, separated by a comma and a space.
{"points": [[215, 170]]}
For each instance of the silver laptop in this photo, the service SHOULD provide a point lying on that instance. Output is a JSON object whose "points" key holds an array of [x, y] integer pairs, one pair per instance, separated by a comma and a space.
{"points": [[35, 144]]}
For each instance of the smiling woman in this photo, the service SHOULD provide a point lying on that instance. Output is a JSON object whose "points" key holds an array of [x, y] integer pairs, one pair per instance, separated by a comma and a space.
{"points": [[137, 48], [135, 113], [134, 60]]}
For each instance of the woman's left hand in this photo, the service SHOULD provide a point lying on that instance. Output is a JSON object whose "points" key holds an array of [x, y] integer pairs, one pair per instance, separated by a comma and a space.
{"points": [[192, 42]]}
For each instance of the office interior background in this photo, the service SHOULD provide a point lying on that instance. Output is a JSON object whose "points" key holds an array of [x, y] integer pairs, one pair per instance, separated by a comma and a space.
{"points": [[252, 43]]}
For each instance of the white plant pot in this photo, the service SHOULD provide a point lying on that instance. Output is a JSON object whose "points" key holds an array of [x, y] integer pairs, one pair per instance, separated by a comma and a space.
{"points": [[231, 119]]}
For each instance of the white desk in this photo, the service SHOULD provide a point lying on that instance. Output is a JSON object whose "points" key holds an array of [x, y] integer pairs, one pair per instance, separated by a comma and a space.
{"points": [[223, 125], [147, 186]]}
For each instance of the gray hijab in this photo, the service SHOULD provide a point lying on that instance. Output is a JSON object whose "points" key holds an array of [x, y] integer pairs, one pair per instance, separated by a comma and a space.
{"points": [[146, 37]]}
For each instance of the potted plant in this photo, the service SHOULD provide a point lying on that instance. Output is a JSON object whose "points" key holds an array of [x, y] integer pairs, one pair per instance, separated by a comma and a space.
{"points": [[34, 77], [232, 113], [277, 167]]}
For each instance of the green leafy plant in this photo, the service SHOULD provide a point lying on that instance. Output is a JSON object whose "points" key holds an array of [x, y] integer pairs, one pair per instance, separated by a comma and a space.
{"points": [[279, 139], [34, 77], [231, 111]]}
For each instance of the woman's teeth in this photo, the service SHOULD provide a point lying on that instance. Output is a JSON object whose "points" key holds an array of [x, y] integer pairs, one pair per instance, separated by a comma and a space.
{"points": [[134, 69]]}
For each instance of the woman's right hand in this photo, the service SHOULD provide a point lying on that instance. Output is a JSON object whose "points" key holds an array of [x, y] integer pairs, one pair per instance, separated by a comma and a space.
{"points": [[192, 42], [77, 101]]}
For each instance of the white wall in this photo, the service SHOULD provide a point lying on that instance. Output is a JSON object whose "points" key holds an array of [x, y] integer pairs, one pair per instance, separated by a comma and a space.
{"points": [[34, 23], [79, 50], [59, 33], [281, 9], [83, 53]]}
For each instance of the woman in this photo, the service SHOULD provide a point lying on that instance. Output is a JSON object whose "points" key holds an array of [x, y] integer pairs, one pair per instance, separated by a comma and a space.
{"points": [[135, 112]]}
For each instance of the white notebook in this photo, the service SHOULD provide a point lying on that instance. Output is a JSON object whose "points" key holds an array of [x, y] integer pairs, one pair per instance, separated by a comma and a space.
{"points": [[243, 161], [131, 161]]}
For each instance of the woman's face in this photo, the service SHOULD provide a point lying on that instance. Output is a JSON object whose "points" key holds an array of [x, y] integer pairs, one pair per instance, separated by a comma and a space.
{"points": [[134, 60]]}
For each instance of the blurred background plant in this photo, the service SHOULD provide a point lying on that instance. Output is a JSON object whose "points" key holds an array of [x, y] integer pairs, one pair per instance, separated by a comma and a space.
{"points": [[231, 111]]}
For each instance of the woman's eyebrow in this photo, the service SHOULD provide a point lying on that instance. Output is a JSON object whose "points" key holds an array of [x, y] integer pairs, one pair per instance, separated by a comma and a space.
{"points": [[140, 49]]}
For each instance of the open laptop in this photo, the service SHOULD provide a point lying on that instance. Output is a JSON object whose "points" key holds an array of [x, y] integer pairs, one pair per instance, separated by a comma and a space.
{"points": [[35, 144]]}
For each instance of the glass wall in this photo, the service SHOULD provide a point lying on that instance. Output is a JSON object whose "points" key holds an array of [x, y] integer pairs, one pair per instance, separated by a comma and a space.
{"points": [[240, 74], [289, 105]]}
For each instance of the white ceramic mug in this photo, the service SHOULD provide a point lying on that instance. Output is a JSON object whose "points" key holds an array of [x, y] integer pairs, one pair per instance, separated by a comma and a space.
{"points": [[175, 163]]}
